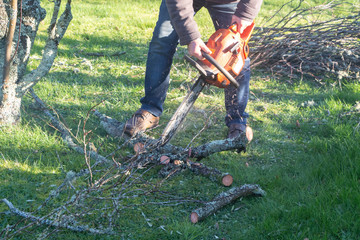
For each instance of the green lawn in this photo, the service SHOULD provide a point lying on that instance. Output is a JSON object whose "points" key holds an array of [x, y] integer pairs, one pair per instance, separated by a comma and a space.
{"points": [[305, 152]]}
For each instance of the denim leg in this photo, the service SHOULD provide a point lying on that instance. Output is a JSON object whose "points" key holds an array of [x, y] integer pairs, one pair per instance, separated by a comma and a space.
{"points": [[236, 99], [160, 55]]}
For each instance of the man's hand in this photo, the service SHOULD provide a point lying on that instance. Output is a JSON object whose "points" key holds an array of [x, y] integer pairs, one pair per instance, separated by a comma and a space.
{"points": [[196, 46], [241, 24]]}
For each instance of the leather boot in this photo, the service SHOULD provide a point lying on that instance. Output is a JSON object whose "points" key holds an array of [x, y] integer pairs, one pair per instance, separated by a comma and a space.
{"points": [[236, 129], [140, 121]]}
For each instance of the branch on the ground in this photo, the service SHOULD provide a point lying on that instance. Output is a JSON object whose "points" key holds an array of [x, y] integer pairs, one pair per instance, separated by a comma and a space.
{"points": [[175, 167], [223, 199], [175, 158], [214, 174], [115, 129], [44, 221], [65, 133]]}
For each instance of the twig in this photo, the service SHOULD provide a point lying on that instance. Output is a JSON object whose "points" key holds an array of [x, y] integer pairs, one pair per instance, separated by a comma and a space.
{"points": [[66, 136], [102, 54], [85, 143]]}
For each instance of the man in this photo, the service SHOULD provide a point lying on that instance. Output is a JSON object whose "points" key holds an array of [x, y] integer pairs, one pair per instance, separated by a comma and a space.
{"points": [[176, 22]]}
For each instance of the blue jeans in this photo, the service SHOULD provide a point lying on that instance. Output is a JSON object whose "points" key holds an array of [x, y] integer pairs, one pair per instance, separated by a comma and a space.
{"points": [[160, 56]]}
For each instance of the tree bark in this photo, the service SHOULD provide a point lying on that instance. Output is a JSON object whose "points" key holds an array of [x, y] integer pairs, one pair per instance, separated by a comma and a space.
{"points": [[8, 47], [212, 173], [16, 49], [14, 83], [225, 198], [57, 224]]}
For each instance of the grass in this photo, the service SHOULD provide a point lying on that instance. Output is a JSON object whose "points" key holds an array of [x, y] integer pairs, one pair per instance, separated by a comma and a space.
{"points": [[310, 170]]}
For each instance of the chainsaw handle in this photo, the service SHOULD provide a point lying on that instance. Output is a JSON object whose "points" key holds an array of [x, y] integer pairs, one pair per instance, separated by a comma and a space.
{"points": [[221, 69]]}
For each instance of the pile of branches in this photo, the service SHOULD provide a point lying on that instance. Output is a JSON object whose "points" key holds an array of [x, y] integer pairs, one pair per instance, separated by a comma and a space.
{"points": [[96, 198], [319, 48]]}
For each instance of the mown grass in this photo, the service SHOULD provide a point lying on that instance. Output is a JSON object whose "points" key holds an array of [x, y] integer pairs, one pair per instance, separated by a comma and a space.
{"points": [[305, 153]]}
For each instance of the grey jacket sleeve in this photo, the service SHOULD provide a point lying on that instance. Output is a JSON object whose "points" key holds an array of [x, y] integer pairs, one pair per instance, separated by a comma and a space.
{"points": [[248, 9], [182, 17]]}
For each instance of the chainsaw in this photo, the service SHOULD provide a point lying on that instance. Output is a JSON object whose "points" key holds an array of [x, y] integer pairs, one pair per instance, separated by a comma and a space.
{"points": [[229, 50]]}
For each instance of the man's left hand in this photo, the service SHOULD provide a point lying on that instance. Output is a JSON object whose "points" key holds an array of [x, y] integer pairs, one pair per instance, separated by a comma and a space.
{"points": [[196, 46], [241, 24]]}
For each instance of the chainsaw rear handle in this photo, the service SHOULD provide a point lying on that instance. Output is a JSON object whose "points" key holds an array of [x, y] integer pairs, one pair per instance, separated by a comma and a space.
{"points": [[220, 68]]}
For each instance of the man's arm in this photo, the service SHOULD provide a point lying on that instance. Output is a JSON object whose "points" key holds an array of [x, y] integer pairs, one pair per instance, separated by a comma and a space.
{"points": [[245, 13], [247, 10], [182, 17]]}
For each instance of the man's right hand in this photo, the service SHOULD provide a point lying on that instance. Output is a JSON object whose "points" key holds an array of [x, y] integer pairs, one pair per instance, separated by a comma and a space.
{"points": [[196, 46]]}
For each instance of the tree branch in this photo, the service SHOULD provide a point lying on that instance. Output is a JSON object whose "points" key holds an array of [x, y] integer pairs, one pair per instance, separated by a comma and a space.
{"points": [[65, 134], [56, 33], [48, 222], [8, 49]]}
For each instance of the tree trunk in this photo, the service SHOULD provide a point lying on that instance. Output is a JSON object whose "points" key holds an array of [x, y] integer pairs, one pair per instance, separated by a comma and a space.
{"points": [[16, 48], [10, 108], [17, 35]]}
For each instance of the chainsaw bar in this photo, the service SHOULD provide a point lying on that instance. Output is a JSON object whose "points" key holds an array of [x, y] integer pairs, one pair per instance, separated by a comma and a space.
{"points": [[182, 111]]}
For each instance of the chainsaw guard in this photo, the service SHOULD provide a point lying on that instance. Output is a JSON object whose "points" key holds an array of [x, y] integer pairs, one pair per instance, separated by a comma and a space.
{"points": [[229, 51]]}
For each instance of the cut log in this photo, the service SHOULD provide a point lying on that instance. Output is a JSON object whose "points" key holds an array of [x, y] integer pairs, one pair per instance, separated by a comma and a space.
{"points": [[227, 180], [223, 199], [164, 160], [238, 143], [177, 162], [212, 173], [139, 147]]}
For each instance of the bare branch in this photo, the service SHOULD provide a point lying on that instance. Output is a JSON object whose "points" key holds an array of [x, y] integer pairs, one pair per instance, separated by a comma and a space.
{"points": [[55, 224], [318, 49], [56, 33], [8, 50], [65, 134]]}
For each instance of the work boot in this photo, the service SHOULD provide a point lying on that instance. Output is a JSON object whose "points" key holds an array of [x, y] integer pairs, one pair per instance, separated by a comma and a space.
{"points": [[140, 121], [236, 129]]}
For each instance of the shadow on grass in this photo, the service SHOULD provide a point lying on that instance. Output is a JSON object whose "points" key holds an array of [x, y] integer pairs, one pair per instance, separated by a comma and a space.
{"points": [[134, 52]]}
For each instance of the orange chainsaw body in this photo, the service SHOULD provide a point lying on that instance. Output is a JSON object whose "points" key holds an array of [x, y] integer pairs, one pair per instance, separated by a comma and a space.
{"points": [[229, 49]]}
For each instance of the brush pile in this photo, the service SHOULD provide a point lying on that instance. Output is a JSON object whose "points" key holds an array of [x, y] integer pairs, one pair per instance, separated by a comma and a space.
{"points": [[309, 42]]}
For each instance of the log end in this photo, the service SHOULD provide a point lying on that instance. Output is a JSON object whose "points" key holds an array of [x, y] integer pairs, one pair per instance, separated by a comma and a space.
{"points": [[164, 160], [139, 147], [177, 162], [249, 133], [227, 180], [194, 217]]}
